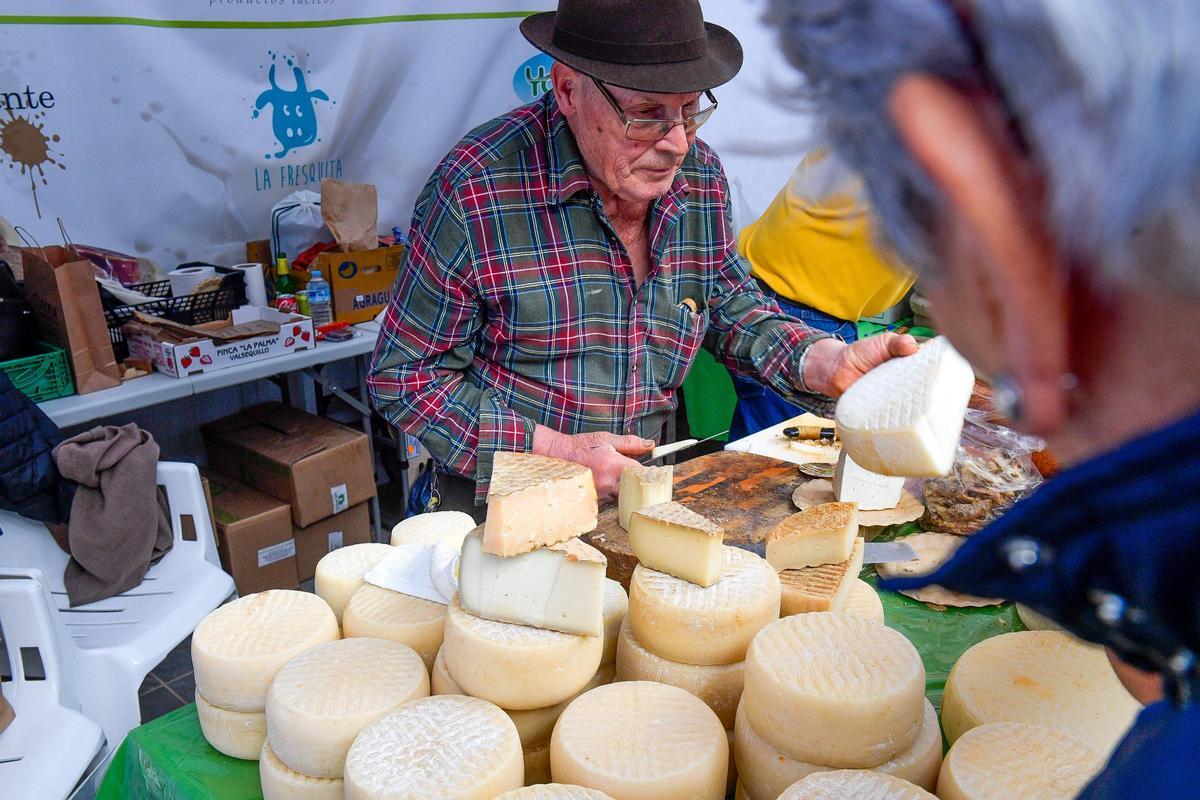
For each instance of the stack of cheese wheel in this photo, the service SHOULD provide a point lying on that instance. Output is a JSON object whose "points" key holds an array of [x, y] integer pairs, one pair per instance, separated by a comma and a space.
{"points": [[321, 700], [340, 573], [825, 691], [1000, 760], [236, 651]]}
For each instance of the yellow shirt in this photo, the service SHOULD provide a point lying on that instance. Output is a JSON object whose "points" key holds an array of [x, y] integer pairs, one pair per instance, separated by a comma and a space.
{"points": [[813, 245]]}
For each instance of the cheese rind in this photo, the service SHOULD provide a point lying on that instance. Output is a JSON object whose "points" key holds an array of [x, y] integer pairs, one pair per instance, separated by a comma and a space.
{"points": [[379, 613], [905, 416], [1003, 760], [453, 748], [673, 539], [281, 782], [238, 648], [534, 501], [554, 791], [1043, 678], [692, 624], [340, 572], [823, 588], [720, 687], [616, 607], [854, 784], [829, 688], [868, 490], [237, 734], [642, 487], [434, 527], [560, 587], [819, 535], [515, 666], [640, 739], [323, 698], [863, 602]]}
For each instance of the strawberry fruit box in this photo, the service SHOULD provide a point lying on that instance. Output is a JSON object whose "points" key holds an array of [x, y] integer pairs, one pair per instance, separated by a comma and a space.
{"points": [[252, 333]]}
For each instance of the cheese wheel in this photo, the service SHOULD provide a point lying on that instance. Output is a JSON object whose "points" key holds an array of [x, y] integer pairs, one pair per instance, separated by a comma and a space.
{"points": [[238, 734], [854, 784], [383, 614], [451, 748], [554, 791], [280, 782], [720, 686], [1035, 621], [766, 772], [1043, 678], [436, 527], [515, 666], [1002, 760], [238, 648], [340, 572], [537, 764], [322, 698], [640, 739], [616, 606], [829, 688], [701, 625], [863, 602]]}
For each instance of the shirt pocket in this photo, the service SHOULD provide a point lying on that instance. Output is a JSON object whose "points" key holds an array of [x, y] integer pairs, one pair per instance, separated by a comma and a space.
{"points": [[675, 337]]}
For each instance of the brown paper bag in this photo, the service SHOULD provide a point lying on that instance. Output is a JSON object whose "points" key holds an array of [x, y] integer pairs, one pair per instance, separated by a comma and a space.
{"points": [[351, 212], [60, 287]]}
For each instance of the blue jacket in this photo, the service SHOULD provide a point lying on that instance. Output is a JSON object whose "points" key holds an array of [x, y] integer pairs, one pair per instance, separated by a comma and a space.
{"points": [[1110, 549], [29, 481]]}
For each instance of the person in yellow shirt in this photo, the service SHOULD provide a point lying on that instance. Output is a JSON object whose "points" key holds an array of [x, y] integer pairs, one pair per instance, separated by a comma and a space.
{"points": [[813, 252]]}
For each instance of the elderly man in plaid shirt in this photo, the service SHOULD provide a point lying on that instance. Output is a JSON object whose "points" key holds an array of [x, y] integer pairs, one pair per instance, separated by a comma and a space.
{"points": [[569, 259]]}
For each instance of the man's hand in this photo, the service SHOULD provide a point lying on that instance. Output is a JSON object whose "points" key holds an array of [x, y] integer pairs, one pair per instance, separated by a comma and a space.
{"points": [[833, 365], [605, 454]]}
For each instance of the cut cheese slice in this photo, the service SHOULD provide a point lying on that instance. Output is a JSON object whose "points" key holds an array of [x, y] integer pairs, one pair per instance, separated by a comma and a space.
{"points": [[819, 535], [684, 622], [515, 666], [863, 602], [639, 739], [554, 791], [905, 416], [1040, 677], [534, 501], [642, 487], [853, 784], [766, 772], [720, 687], [868, 490], [616, 606], [379, 613], [237, 734], [435, 527], [537, 764], [238, 648], [560, 587], [833, 689], [281, 782], [1004, 760], [340, 573], [673, 539], [322, 698], [823, 588], [452, 748]]}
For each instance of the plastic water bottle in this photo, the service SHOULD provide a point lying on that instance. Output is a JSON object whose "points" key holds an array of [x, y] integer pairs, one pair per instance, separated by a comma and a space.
{"points": [[319, 299]]}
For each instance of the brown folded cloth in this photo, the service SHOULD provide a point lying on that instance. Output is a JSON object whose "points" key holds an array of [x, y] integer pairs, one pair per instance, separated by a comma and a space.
{"points": [[118, 525]]}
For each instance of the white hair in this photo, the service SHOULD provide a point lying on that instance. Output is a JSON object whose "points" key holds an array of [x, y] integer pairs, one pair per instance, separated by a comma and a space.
{"points": [[1106, 94]]}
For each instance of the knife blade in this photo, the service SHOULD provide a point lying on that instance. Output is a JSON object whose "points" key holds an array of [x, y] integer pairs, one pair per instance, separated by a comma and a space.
{"points": [[683, 444], [873, 552]]}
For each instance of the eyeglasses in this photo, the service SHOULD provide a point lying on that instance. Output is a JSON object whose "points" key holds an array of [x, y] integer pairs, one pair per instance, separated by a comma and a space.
{"points": [[651, 130]]}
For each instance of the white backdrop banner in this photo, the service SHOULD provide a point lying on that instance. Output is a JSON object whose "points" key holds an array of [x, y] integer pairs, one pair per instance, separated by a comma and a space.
{"points": [[169, 128]]}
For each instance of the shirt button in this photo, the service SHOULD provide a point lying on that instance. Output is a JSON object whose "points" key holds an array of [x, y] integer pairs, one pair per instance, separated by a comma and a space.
{"points": [[634, 368]]}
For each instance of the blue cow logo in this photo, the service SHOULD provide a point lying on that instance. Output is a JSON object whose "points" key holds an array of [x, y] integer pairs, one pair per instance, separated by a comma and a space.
{"points": [[532, 79], [293, 116]]}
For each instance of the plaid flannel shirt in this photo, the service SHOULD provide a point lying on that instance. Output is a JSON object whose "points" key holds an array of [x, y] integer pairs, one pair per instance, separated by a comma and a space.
{"points": [[516, 303]]}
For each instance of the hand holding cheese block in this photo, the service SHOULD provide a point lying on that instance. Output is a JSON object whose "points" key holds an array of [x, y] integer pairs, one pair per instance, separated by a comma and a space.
{"points": [[1004, 760], [340, 573], [868, 490], [905, 416], [534, 501], [823, 588], [853, 784], [559, 587], [673, 539], [823, 534], [642, 487], [434, 527]]}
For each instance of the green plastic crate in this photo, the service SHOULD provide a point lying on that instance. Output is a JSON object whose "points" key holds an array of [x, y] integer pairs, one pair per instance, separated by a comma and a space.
{"points": [[43, 376]]}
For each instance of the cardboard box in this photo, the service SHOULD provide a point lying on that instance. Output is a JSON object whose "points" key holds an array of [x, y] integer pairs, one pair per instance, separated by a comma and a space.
{"points": [[254, 537], [316, 466], [352, 526], [361, 281]]}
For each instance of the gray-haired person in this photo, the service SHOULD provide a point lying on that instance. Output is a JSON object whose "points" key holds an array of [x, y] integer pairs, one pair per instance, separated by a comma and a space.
{"points": [[1039, 162]]}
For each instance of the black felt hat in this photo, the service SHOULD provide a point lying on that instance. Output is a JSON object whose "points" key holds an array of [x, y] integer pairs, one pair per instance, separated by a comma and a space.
{"points": [[648, 45]]}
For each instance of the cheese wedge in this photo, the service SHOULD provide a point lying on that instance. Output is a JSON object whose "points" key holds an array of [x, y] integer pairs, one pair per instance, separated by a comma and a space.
{"points": [[560, 587], [534, 501], [672, 539], [642, 487], [823, 588], [905, 416], [868, 490], [823, 534]]}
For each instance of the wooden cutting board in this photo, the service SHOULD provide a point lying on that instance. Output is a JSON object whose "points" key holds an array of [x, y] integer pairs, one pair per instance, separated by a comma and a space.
{"points": [[746, 494]]}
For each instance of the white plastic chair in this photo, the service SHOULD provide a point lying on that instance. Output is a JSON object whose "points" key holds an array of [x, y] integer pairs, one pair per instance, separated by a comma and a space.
{"points": [[50, 746], [116, 642]]}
